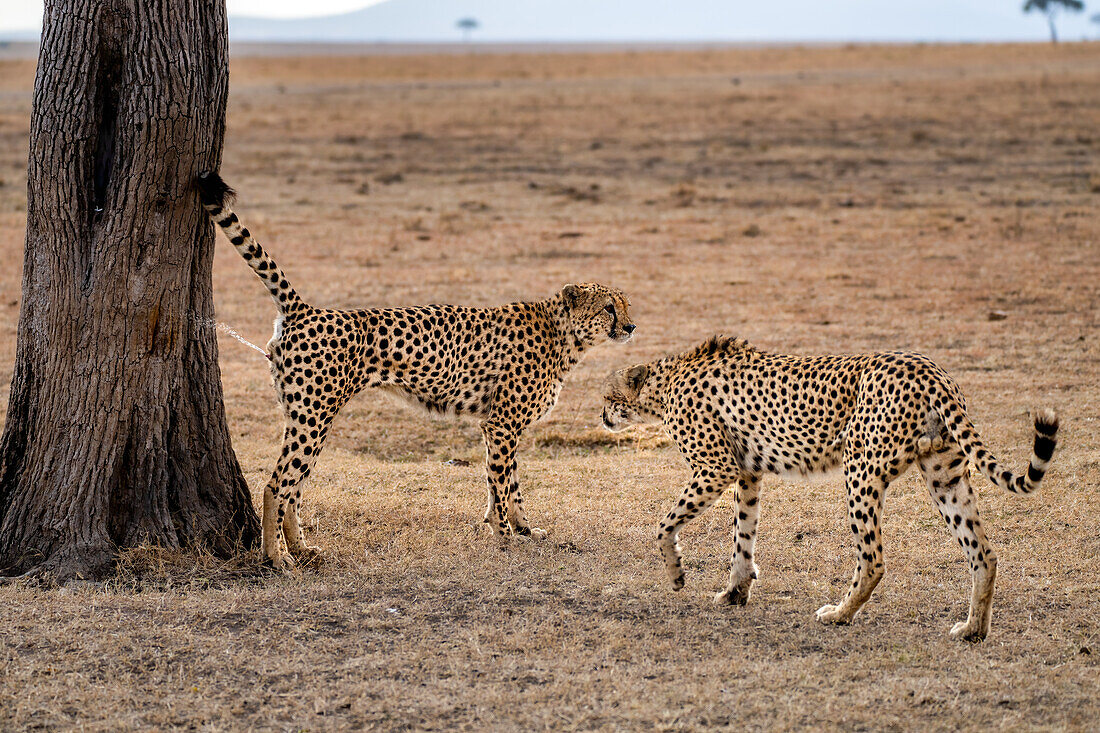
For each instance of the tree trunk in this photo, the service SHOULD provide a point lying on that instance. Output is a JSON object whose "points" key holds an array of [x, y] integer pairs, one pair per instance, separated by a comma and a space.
{"points": [[1053, 32], [115, 432]]}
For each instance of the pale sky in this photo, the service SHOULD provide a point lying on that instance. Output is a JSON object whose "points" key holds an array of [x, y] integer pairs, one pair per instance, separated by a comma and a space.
{"points": [[26, 14], [647, 20]]}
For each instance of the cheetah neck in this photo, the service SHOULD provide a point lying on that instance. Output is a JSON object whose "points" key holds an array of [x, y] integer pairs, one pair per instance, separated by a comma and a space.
{"points": [[732, 353], [570, 348], [655, 398]]}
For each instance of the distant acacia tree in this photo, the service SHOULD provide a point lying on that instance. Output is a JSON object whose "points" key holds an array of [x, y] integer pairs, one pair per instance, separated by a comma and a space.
{"points": [[115, 432], [1051, 8], [467, 26]]}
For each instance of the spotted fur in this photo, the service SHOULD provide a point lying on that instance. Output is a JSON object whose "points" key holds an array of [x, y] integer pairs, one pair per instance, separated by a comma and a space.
{"points": [[503, 366], [736, 413]]}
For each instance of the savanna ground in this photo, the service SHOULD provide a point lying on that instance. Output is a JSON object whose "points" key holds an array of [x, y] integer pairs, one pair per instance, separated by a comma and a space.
{"points": [[941, 199]]}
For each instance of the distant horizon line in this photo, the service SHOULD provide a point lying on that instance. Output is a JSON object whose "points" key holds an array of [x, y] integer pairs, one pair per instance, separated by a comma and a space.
{"points": [[19, 38]]}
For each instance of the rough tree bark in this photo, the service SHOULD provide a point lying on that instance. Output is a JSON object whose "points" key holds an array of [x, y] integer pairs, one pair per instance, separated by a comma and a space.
{"points": [[115, 432]]}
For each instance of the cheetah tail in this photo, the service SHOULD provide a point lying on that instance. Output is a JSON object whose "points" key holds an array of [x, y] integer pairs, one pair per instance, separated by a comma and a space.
{"points": [[216, 197], [1046, 432]]}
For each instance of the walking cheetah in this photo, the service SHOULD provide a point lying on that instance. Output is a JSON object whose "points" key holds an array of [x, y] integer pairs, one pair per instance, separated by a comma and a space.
{"points": [[502, 365], [736, 412]]}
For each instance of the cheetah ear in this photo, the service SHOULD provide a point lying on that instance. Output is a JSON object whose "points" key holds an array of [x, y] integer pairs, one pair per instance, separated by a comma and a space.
{"points": [[636, 376], [570, 294]]}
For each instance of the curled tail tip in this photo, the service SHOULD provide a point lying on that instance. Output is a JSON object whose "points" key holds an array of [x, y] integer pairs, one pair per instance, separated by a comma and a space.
{"points": [[1046, 422], [213, 191], [1046, 438], [1046, 429]]}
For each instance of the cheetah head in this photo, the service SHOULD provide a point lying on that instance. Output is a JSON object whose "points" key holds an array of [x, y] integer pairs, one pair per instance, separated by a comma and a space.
{"points": [[598, 313], [630, 398]]}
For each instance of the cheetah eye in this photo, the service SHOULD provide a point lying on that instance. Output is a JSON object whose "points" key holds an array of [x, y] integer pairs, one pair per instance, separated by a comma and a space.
{"points": [[609, 308]]}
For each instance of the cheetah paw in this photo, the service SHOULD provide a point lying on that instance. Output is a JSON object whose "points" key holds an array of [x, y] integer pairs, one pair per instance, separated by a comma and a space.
{"points": [[678, 582], [738, 596], [501, 533], [307, 553], [831, 615], [963, 631], [283, 562]]}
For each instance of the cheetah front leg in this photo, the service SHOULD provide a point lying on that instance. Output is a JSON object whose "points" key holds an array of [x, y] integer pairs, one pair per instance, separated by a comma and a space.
{"points": [[705, 487], [743, 570], [500, 450], [517, 518], [866, 493]]}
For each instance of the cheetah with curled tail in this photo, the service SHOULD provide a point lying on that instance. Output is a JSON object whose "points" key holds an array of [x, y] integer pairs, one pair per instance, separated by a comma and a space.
{"points": [[502, 365], [736, 412]]}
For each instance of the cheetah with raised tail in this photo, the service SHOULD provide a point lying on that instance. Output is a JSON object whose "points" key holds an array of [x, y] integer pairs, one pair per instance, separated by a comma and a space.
{"points": [[736, 412], [501, 365]]}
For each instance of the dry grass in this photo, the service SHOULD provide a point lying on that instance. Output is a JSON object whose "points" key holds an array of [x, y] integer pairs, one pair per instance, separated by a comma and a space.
{"points": [[810, 200]]}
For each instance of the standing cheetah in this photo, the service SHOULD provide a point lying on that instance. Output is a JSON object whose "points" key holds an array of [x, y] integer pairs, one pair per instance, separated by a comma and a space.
{"points": [[736, 412], [502, 365]]}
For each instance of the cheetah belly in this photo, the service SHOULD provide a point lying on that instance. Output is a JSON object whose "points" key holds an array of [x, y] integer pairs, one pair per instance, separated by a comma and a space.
{"points": [[790, 452], [446, 401]]}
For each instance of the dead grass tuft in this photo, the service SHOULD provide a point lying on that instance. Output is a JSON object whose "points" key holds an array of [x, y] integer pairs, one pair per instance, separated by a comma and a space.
{"points": [[152, 568], [641, 437]]}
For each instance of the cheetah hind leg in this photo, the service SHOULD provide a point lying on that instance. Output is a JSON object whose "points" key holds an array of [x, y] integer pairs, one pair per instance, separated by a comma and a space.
{"points": [[292, 530], [274, 546], [281, 530], [948, 477]]}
